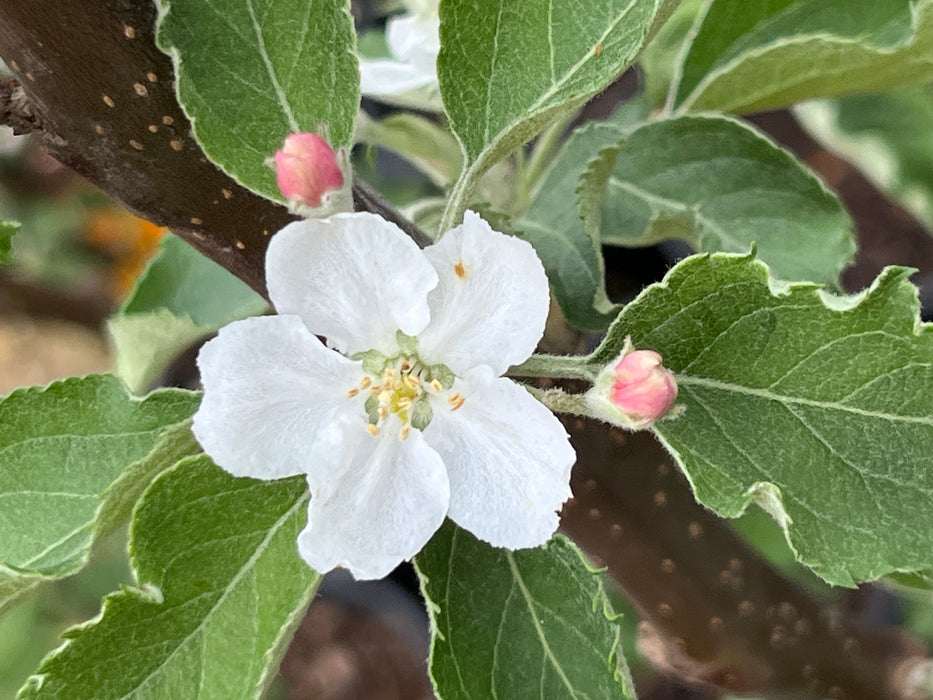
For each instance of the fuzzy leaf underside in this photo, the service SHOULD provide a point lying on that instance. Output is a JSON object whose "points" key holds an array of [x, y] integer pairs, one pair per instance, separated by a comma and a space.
{"points": [[570, 254], [723, 188]]}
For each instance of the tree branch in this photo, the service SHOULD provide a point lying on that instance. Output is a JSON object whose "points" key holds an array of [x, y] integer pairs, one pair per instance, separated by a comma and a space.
{"points": [[713, 611], [93, 87]]}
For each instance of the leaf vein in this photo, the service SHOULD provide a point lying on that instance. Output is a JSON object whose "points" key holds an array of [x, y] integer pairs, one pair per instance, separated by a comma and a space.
{"points": [[234, 582], [529, 603], [270, 69]]}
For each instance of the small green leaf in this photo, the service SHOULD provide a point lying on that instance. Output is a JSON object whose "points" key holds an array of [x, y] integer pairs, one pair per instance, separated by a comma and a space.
{"points": [[507, 69], [250, 72], [572, 257], [887, 136], [817, 407], [7, 230], [182, 297], [721, 186], [221, 587], [530, 623], [752, 55], [76, 456]]}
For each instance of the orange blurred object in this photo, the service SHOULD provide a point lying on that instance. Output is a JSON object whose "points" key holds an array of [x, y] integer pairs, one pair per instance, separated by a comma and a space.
{"points": [[127, 240]]}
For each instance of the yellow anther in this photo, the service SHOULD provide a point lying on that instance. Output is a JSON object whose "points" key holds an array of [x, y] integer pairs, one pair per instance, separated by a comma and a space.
{"points": [[412, 382], [353, 392], [383, 412], [364, 384], [454, 397], [389, 372], [373, 429], [436, 385], [404, 403], [375, 390], [403, 433], [454, 405]]}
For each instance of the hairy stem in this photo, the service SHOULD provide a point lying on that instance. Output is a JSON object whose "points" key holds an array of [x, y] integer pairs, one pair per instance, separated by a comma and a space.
{"points": [[555, 367]]}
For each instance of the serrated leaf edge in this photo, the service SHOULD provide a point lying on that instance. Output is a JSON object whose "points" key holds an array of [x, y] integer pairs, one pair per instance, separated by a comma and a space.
{"points": [[150, 593], [100, 526], [615, 658]]}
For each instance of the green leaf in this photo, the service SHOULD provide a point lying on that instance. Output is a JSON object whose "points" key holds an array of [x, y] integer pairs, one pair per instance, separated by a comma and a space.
{"points": [[181, 297], [816, 407], [662, 57], [221, 586], [530, 623], [250, 72], [428, 146], [7, 230], [571, 256], [506, 70], [751, 55], [76, 456], [887, 136], [721, 186]]}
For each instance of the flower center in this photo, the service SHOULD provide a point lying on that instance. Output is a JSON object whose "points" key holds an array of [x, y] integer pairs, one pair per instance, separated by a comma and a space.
{"points": [[403, 386]]}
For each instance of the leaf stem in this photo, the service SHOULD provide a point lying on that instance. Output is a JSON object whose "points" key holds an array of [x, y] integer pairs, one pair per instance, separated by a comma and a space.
{"points": [[555, 366], [560, 401], [459, 198]]}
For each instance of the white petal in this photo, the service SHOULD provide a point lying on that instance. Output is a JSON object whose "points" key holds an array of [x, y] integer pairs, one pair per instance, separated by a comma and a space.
{"points": [[271, 395], [415, 40], [382, 77], [390, 500], [354, 278], [508, 459], [491, 303]]}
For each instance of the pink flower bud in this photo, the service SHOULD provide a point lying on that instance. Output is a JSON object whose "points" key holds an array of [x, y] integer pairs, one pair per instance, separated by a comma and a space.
{"points": [[307, 169], [642, 388], [634, 390]]}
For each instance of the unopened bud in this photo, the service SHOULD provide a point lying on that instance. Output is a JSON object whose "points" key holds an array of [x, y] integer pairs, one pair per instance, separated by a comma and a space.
{"points": [[634, 390], [309, 172]]}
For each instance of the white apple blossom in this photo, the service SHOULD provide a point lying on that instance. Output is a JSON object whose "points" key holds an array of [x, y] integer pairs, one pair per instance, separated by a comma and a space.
{"points": [[406, 420], [410, 77]]}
